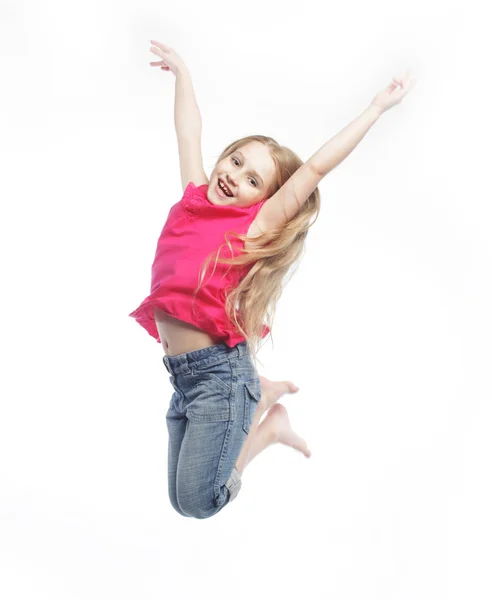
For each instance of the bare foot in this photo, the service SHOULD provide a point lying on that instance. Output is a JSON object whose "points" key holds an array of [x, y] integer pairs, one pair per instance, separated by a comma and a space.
{"points": [[278, 420], [272, 390]]}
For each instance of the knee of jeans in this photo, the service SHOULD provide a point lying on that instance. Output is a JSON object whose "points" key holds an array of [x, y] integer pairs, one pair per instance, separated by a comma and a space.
{"points": [[200, 505], [177, 507], [197, 510], [203, 506]]}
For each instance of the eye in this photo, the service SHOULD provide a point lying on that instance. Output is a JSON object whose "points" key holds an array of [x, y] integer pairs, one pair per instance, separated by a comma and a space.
{"points": [[233, 158]]}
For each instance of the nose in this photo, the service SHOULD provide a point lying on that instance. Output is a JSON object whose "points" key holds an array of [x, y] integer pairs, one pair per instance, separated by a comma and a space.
{"points": [[231, 180]]}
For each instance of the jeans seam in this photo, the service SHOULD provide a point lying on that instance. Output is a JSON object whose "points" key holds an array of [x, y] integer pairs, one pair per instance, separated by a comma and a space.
{"points": [[223, 455], [230, 426]]}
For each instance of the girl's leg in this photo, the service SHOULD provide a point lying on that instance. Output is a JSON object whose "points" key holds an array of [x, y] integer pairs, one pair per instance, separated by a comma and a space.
{"points": [[274, 428], [176, 426], [191, 472]]}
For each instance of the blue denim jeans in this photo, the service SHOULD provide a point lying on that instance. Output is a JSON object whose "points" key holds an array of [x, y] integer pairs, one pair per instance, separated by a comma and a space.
{"points": [[216, 393]]}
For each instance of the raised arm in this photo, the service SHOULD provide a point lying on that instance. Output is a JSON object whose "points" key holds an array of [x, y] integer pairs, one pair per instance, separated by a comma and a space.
{"points": [[187, 119], [285, 203]]}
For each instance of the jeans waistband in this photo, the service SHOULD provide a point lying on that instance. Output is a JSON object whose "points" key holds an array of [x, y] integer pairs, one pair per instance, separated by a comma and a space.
{"points": [[179, 363]]}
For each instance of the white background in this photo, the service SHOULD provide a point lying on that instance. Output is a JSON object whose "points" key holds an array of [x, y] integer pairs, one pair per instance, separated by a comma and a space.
{"points": [[385, 326]]}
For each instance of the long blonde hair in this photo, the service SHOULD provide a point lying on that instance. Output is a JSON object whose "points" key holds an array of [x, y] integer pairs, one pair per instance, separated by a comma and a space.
{"points": [[275, 252]]}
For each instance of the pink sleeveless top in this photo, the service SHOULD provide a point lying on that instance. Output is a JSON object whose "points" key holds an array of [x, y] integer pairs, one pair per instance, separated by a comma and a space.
{"points": [[194, 228]]}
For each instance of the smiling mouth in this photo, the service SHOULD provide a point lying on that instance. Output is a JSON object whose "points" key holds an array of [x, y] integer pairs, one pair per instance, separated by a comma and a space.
{"points": [[223, 187]]}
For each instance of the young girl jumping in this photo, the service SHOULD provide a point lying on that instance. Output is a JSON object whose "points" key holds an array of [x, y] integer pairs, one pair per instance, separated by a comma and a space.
{"points": [[256, 208]]}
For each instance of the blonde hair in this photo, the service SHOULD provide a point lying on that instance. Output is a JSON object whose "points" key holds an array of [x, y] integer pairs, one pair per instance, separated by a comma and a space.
{"points": [[275, 252]]}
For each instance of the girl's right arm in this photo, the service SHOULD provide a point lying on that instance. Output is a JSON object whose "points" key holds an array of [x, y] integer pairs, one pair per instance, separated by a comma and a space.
{"points": [[187, 119]]}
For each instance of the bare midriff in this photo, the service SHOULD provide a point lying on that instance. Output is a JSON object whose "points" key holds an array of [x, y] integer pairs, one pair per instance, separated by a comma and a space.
{"points": [[178, 337]]}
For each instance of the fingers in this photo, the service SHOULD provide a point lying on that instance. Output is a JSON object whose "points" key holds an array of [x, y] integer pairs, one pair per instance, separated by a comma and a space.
{"points": [[405, 84], [161, 46], [391, 87], [406, 79], [408, 82], [171, 61], [160, 63]]}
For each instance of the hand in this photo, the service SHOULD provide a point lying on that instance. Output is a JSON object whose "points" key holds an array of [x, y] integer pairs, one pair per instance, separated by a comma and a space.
{"points": [[170, 59], [395, 92]]}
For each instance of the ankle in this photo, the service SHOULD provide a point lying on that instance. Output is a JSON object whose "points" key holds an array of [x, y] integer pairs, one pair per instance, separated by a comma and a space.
{"points": [[262, 407]]}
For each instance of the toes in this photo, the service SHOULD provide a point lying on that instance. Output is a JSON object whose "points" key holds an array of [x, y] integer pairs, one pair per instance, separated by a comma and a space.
{"points": [[293, 388], [301, 445], [306, 451]]}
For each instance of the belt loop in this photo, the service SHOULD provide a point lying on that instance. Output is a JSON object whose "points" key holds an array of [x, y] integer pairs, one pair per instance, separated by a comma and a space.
{"points": [[165, 360]]}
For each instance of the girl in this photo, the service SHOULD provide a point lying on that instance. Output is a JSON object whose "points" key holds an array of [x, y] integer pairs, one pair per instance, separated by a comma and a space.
{"points": [[210, 324]]}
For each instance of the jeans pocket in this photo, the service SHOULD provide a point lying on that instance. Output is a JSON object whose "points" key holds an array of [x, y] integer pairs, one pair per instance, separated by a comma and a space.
{"points": [[207, 402], [252, 396], [217, 373]]}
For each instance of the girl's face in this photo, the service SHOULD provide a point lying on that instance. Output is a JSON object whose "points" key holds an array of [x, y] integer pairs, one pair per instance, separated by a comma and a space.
{"points": [[248, 173]]}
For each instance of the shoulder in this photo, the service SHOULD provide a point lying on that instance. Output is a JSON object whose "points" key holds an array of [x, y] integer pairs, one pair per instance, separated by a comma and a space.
{"points": [[194, 195], [198, 182], [192, 188]]}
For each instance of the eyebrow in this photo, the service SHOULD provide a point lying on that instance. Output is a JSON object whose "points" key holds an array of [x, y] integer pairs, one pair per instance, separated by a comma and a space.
{"points": [[254, 172]]}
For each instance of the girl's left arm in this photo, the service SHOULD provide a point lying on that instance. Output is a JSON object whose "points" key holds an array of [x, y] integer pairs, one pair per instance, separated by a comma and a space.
{"points": [[286, 202], [340, 146]]}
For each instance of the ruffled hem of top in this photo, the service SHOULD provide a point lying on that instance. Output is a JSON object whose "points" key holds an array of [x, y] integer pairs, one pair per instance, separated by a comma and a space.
{"points": [[144, 315]]}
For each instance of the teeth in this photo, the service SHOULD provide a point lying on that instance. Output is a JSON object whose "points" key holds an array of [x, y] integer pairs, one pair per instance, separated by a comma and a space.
{"points": [[222, 186]]}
